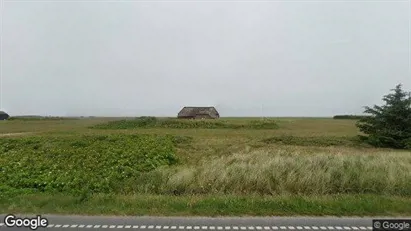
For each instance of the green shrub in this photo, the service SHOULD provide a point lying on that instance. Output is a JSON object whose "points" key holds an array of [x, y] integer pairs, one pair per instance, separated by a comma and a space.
{"points": [[74, 164], [389, 125]]}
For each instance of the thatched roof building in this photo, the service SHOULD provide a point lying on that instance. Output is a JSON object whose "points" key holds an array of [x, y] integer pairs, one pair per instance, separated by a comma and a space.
{"points": [[3, 115], [198, 113]]}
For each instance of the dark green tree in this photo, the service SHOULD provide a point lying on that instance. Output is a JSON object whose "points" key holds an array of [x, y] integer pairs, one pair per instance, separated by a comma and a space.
{"points": [[389, 125]]}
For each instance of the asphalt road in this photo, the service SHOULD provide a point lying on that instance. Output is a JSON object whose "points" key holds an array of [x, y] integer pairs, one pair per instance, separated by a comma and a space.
{"points": [[199, 223]]}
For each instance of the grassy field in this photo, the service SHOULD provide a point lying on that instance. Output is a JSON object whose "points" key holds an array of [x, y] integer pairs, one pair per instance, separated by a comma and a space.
{"points": [[233, 166]]}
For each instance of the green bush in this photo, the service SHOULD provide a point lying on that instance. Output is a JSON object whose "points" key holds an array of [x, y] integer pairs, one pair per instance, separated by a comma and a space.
{"points": [[97, 163], [389, 125], [152, 122]]}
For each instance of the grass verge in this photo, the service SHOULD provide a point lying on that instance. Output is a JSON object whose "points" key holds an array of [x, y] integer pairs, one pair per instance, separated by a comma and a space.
{"points": [[103, 204]]}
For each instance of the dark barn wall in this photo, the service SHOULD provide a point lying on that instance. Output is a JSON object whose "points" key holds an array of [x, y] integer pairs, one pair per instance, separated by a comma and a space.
{"points": [[185, 117], [4, 116], [203, 116]]}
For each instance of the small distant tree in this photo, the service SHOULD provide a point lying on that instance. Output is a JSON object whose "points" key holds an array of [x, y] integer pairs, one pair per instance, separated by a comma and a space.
{"points": [[389, 125]]}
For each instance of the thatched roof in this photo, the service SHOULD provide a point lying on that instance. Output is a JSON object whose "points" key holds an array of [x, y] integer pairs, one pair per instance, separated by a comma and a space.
{"points": [[2, 112], [195, 111]]}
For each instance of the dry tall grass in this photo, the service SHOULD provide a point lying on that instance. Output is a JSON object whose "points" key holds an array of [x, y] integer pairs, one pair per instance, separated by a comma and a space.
{"points": [[292, 171]]}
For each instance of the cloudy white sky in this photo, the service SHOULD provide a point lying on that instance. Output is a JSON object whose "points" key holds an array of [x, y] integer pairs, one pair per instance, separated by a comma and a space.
{"points": [[125, 58]]}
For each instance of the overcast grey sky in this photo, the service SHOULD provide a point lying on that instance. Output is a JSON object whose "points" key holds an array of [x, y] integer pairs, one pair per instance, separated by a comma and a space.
{"points": [[296, 58]]}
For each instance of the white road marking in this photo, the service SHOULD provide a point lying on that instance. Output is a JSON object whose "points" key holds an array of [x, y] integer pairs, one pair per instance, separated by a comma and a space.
{"points": [[1, 224], [244, 228]]}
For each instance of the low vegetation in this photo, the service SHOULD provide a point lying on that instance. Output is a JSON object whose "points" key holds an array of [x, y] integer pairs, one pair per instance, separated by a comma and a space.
{"points": [[349, 117], [315, 141], [153, 122], [87, 163], [39, 118], [286, 171], [305, 166], [205, 205]]}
